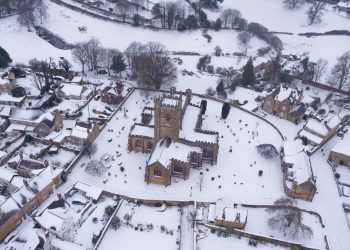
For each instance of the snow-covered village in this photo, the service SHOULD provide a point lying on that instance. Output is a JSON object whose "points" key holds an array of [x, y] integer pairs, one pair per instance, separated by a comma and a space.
{"points": [[174, 124]]}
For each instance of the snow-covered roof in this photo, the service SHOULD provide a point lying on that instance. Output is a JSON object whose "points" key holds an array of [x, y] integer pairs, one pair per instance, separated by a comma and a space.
{"points": [[72, 89], [81, 131], [89, 190], [170, 101], [9, 98], [188, 125], [317, 126], [50, 219], [5, 110], [311, 137], [332, 121], [300, 170], [225, 210], [344, 4], [8, 205], [166, 149], [6, 174], [343, 146], [16, 127], [2, 154], [142, 131]]}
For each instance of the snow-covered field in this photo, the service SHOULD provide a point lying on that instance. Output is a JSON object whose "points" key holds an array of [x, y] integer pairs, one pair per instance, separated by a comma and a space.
{"points": [[149, 228]]}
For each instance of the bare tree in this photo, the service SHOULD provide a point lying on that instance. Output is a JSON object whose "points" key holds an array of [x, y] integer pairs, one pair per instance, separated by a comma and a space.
{"points": [[341, 71], [267, 150], [38, 82], [287, 218], [31, 10], [152, 66], [80, 54], [315, 11], [93, 51], [106, 56], [65, 65], [244, 38], [319, 69], [132, 51], [293, 4], [26, 16], [123, 7], [95, 168]]}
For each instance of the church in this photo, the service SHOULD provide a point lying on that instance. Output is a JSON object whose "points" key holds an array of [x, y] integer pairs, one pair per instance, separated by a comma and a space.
{"points": [[171, 133]]}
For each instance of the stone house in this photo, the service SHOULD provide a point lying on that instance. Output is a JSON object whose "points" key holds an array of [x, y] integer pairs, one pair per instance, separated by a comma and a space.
{"points": [[83, 133], [285, 103], [228, 215], [171, 159], [74, 91], [166, 120], [24, 200], [318, 132], [35, 121], [113, 94], [298, 179], [8, 99], [340, 153]]}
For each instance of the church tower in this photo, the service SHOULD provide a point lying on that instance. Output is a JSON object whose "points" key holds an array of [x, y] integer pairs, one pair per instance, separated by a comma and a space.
{"points": [[168, 116]]}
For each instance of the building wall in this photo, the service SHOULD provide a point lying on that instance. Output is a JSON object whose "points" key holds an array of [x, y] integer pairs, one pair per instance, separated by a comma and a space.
{"points": [[140, 144], [339, 158], [185, 166], [230, 224], [164, 179]]}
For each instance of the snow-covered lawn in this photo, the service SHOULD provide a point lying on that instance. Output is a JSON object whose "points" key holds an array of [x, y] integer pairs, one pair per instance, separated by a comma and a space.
{"points": [[230, 242], [149, 228], [258, 224]]}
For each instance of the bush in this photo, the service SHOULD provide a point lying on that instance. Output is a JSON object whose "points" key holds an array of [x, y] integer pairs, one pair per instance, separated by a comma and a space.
{"points": [[116, 222], [109, 211], [225, 110], [203, 106], [18, 91], [261, 172], [337, 175], [304, 140]]}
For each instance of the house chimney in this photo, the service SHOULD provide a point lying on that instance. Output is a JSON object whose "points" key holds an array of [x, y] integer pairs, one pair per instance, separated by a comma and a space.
{"points": [[238, 218], [25, 182]]}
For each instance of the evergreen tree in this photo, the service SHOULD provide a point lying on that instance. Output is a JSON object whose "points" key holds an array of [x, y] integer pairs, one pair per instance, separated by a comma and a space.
{"points": [[203, 106], [220, 87], [118, 63], [248, 76], [4, 58], [273, 71], [217, 24], [225, 110], [191, 22]]}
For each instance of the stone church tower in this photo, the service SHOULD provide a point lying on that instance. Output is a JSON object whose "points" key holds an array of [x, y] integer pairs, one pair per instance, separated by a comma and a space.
{"points": [[168, 116]]}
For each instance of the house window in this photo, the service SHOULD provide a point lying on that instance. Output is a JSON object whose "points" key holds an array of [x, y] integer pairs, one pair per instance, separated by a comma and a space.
{"points": [[177, 169], [193, 158], [149, 145], [167, 117], [207, 154], [157, 173], [138, 144]]}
